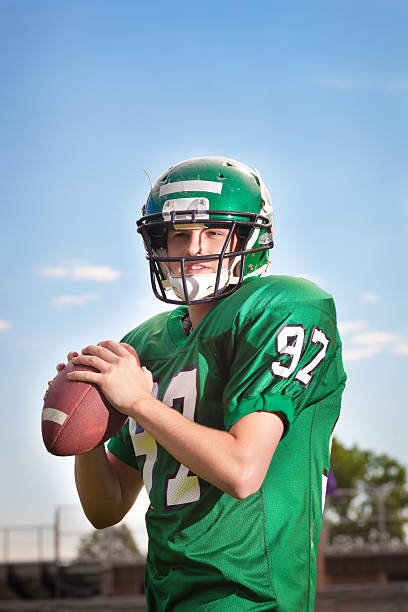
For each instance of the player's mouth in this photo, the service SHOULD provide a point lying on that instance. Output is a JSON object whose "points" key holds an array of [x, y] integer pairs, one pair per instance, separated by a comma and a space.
{"points": [[196, 269]]}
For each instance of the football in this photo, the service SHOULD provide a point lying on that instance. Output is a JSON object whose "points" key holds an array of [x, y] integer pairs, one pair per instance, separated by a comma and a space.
{"points": [[76, 417]]}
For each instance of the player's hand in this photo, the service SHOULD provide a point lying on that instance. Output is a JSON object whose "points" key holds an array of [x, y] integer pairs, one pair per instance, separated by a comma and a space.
{"points": [[60, 366], [119, 376]]}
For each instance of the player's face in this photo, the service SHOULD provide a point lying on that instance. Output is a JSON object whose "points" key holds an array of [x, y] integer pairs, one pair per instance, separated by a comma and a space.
{"points": [[200, 241]]}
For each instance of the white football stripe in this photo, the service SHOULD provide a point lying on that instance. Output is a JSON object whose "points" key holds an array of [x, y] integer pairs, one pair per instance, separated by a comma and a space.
{"points": [[52, 414], [179, 186]]}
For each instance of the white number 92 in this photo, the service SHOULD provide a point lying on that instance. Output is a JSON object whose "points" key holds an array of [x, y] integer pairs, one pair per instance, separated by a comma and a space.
{"points": [[290, 340]]}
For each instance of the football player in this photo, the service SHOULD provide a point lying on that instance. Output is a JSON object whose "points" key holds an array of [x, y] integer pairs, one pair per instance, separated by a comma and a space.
{"points": [[231, 417]]}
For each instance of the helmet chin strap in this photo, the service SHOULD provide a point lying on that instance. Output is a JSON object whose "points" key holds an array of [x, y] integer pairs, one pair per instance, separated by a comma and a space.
{"points": [[200, 286]]}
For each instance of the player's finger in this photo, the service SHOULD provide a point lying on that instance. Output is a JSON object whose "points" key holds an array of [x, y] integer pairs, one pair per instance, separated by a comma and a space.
{"points": [[115, 347], [85, 376], [60, 366], [72, 354], [92, 361], [101, 352]]}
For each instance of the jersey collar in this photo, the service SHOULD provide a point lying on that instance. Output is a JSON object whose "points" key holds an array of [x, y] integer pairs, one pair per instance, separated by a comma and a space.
{"points": [[175, 326]]}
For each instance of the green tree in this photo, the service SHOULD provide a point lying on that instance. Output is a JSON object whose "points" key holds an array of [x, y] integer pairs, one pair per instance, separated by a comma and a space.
{"points": [[107, 544], [377, 511]]}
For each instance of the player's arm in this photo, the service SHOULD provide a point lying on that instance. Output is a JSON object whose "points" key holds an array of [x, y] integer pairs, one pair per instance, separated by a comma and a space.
{"points": [[107, 487], [235, 461]]}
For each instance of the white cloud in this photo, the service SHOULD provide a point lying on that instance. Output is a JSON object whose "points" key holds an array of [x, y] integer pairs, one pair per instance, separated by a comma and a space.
{"points": [[371, 343], [4, 325], [375, 339], [104, 274], [347, 327], [54, 272], [401, 349], [359, 353], [62, 301], [369, 297]]}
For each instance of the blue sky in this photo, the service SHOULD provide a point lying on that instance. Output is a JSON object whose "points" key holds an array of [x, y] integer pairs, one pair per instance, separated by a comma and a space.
{"points": [[312, 94]]}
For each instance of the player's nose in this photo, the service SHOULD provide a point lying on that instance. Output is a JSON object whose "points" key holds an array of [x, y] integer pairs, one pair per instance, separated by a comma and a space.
{"points": [[193, 246]]}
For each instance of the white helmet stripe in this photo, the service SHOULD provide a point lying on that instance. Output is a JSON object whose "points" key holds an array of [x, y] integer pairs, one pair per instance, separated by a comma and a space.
{"points": [[179, 186]]}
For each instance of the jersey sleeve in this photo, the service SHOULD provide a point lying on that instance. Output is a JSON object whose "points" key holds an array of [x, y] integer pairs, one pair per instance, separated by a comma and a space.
{"points": [[121, 446], [284, 360]]}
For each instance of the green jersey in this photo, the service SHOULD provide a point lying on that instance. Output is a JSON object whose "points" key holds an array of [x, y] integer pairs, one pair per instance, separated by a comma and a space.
{"points": [[271, 346]]}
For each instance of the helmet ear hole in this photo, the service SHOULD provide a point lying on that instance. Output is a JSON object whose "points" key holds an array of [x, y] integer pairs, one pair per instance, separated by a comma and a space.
{"points": [[243, 231], [158, 238]]}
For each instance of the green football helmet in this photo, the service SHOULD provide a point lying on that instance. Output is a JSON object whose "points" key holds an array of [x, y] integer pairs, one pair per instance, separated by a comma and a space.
{"points": [[200, 193]]}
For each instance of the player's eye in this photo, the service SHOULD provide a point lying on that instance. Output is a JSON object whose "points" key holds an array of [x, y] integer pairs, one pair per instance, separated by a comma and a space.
{"points": [[178, 235], [216, 233]]}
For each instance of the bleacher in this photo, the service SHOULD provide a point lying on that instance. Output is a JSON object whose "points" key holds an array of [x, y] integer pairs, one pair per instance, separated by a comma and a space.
{"points": [[44, 587]]}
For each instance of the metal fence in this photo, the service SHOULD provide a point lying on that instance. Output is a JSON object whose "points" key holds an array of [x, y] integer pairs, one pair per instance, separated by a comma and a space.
{"points": [[57, 541], [365, 518], [353, 519]]}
